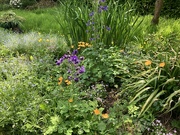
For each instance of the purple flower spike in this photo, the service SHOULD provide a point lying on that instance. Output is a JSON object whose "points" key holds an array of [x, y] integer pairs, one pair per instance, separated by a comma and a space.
{"points": [[82, 70]]}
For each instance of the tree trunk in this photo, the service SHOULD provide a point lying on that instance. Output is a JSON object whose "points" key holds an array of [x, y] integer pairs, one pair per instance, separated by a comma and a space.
{"points": [[157, 10]]}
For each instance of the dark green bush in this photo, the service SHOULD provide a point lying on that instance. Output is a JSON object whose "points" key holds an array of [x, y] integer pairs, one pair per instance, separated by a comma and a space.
{"points": [[170, 8], [26, 3]]}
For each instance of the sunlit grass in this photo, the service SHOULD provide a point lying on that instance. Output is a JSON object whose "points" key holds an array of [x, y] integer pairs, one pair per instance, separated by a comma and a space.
{"points": [[42, 20]]}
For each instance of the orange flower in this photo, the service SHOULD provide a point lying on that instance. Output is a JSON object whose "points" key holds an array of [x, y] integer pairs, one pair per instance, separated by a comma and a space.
{"points": [[60, 80], [96, 112], [162, 64], [68, 82], [105, 116], [148, 62], [70, 100]]}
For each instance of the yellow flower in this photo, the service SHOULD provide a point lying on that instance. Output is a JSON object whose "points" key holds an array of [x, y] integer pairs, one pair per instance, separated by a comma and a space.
{"points": [[96, 112], [121, 51], [81, 45], [68, 82], [31, 58], [70, 100], [60, 80], [72, 46], [40, 40], [105, 116], [162, 64], [86, 44], [47, 40], [148, 62]]}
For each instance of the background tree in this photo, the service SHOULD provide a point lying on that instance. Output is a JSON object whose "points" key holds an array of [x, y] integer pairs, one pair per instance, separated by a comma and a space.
{"points": [[157, 10]]}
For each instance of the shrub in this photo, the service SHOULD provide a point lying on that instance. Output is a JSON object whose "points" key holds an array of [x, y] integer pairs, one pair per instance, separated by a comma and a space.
{"points": [[9, 20]]}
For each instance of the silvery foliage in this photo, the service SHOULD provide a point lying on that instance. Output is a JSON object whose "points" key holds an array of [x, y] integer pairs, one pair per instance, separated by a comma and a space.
{"points": [[15, 3]]}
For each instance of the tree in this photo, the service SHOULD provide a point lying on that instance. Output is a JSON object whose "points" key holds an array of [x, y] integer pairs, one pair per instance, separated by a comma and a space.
{"points": [[157, 10]]}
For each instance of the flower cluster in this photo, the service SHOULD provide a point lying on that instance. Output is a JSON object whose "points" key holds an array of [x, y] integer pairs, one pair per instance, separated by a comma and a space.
{"points": [[95, 24], [15, 3], [149, 62], [83, 45], [74, 65], [159, 129], [104, 115]]}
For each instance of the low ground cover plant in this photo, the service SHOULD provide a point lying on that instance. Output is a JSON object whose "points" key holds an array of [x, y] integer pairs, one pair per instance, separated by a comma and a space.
{"points": [[66, 85]]}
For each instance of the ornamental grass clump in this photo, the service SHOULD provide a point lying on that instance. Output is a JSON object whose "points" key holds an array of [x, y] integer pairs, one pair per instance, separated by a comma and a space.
{"points": [[112, 24], [107, 22]]}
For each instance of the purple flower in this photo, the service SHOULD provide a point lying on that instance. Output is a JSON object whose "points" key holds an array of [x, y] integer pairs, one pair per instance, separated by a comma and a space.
{"points": [[74, 52], [103, 8], [102, 0], [88, 23], [74, 59], [69, 71], [91, 14], [76, 79], [108, 28], [70, 77], [82, 69], [59, 61]]}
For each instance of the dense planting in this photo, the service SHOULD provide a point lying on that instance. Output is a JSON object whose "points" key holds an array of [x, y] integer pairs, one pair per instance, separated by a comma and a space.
{"points": [[95, 69]]}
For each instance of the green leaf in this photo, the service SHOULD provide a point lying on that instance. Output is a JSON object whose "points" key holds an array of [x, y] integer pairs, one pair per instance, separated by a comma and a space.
{"points": [[152, 98], [101, 126]]}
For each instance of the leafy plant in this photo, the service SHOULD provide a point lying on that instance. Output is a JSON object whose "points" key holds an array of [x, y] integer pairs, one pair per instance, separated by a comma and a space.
{"points": [[19, 96], [9, 20], [158, 83]]}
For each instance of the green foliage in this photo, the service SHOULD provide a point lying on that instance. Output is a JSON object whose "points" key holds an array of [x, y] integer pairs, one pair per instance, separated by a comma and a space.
{"points": [[4, 5], [158, 82], [40, 20], [115, 25], [73, 15], [21, 3], [19, 95], [10, 19], [170, 8], [38, 98]]}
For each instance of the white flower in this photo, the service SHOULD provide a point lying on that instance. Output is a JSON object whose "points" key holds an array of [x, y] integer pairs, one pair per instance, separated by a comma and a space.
{"points": [[15, 3]]}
